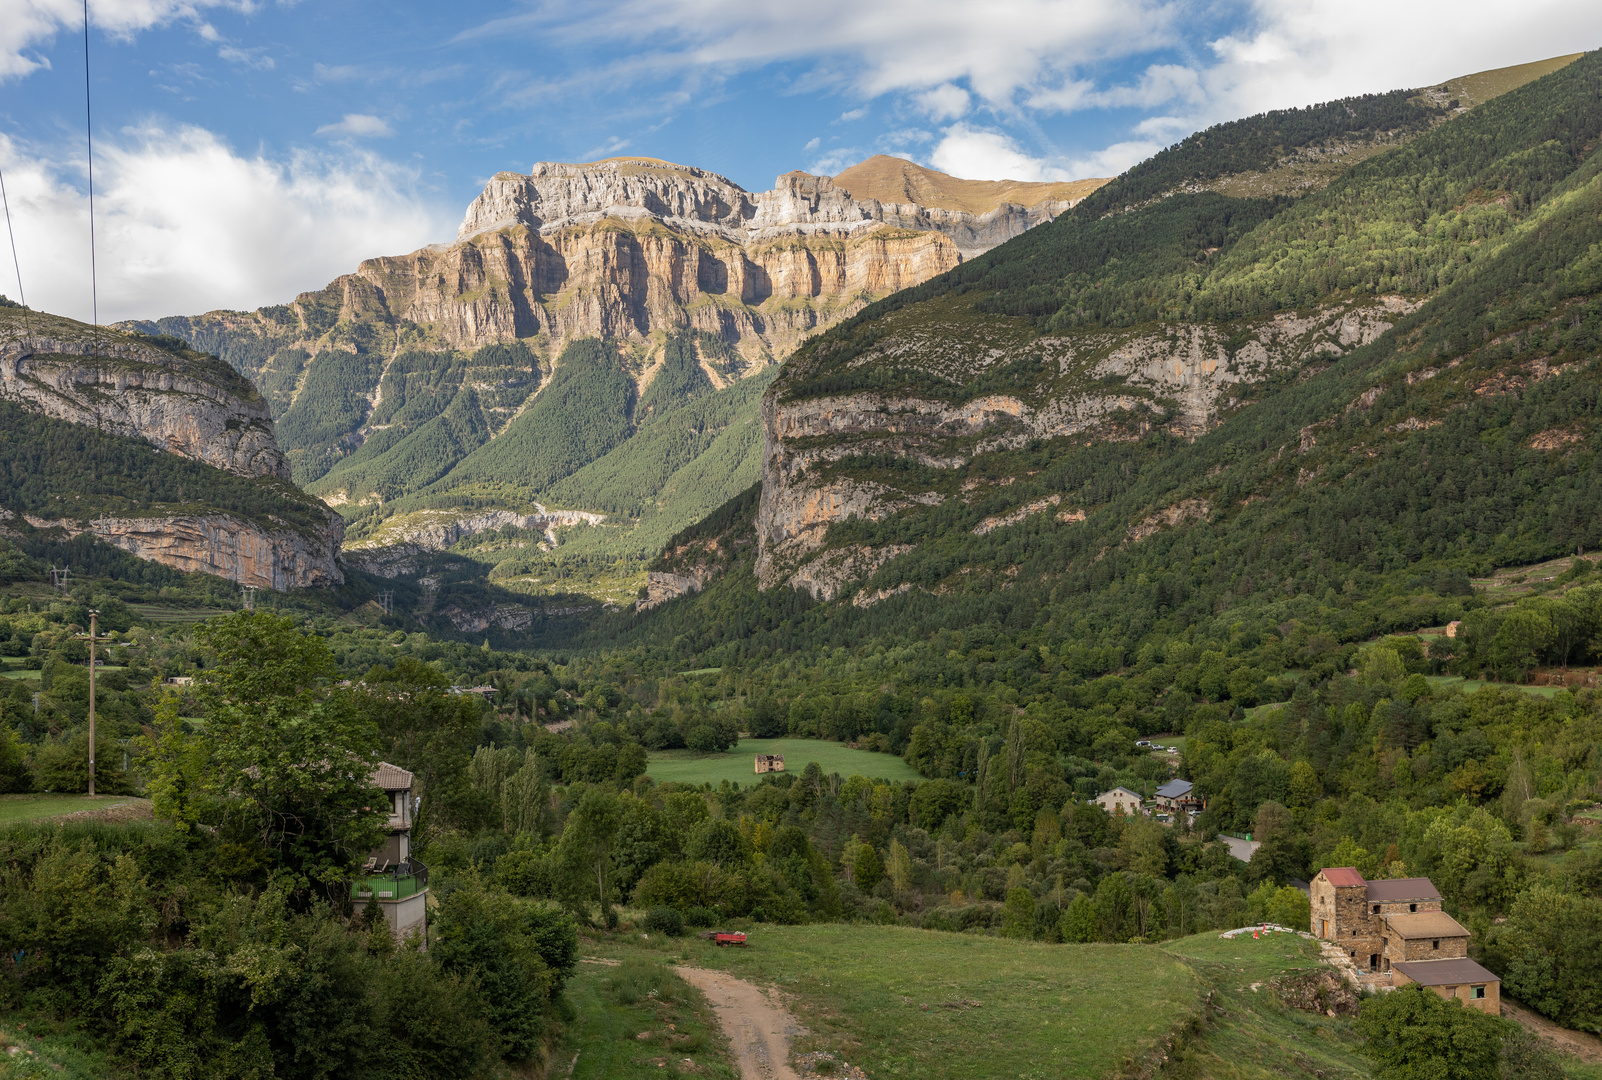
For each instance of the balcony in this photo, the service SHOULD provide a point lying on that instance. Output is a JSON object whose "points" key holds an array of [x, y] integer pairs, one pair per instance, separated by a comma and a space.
{"points": [[390, 883]]}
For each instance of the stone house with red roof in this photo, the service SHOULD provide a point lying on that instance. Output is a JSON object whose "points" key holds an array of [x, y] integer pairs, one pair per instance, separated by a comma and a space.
{"points": [[1397, 926]]}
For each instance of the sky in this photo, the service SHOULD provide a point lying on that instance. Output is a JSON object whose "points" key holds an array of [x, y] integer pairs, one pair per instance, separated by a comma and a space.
{"points": [[248, 150]]}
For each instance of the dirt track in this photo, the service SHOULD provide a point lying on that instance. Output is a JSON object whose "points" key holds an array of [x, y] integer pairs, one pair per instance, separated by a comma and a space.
{"points": [[1578, 1044], [759, 1029]]}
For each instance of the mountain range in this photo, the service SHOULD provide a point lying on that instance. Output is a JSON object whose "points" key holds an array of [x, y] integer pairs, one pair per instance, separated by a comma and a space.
{"points": [[592, 366], [591, 347]]}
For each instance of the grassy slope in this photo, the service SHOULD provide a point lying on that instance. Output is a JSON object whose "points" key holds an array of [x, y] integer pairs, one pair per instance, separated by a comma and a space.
{"points": [[738, 767], [1250, 1035], [36, 807], [1044, 1010]]}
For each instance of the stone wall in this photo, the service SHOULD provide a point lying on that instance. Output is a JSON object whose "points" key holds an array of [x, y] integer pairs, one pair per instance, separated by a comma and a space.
{"points": [[1399, 949]]}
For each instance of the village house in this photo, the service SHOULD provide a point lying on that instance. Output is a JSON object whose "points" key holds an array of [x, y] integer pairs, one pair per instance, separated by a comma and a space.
{"points": [[1120, 800], [1180, 797], [769, 763], [392, 875], [1397, 928]]}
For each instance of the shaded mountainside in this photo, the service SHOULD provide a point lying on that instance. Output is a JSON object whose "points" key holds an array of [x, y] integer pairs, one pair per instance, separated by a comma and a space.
{"points": [[143, 445], [151, 388], [936, 463]]}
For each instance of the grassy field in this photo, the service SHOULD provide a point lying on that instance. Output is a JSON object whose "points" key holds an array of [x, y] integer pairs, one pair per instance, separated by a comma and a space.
{"points": [[615, 1005], [738, 765], [1471, 686], [906, 1003], [34, 807]]}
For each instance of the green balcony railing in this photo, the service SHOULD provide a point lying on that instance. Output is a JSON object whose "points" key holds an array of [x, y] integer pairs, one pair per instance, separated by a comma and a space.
{"points": [[397, 883]]}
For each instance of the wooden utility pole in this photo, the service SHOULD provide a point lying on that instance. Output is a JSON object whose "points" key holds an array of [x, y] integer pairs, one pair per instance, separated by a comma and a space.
{"points": [[93, 615]]}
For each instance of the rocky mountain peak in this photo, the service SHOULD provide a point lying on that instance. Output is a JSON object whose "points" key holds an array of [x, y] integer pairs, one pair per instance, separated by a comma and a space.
{"points": [[977, 214]]}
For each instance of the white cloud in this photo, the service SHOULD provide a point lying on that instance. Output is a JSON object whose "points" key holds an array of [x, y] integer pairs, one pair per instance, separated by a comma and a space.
{"points": [[975, 153], [887, 46], [945, 102], [812, 144], [835, 161], [852, 114], [612, 147], [1296, 52], [25, 24], [893, 142], [251, 58], [1019, 59], [357, 126], [1112, 160], [184, 224]]}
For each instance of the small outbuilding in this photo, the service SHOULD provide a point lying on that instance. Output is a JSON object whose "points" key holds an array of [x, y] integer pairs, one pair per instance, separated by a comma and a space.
{"points": [[766, 763], [1459, 977]]}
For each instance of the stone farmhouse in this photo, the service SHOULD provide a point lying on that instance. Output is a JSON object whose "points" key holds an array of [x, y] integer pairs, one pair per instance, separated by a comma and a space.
{"points": [[1397, 929], [769, 763]]}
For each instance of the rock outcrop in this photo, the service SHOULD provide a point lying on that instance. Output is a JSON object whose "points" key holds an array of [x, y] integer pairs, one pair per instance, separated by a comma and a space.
{"points": [[662, 586], [220, 544], [191, 405], [554, 196], [437, 530], [1098, 385]]}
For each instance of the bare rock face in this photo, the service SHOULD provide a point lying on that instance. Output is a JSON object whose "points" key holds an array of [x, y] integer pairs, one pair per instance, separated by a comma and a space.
{"points": [[556, 196], [1095, 385], [195, 407], [437, 530], [220, 544], [622, 248], [662, 586]]}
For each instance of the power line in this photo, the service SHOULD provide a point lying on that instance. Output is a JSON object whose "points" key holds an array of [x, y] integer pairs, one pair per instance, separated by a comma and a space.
{"points": [[15, 265], [89, 130]]}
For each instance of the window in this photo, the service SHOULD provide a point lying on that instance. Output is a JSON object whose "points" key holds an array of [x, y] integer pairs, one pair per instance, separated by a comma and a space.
{"points": [[1412, 907], [1435, 944], [1376, 909], [1477, 992]]}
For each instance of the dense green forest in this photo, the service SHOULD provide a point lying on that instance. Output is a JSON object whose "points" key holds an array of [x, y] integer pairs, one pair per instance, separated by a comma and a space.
{"points": [[56, 469]]}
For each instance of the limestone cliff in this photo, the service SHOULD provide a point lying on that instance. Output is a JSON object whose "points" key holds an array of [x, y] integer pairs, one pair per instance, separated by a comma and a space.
{"points": [[184, 403], [1098, 385], [222, 544], [252, 527]]}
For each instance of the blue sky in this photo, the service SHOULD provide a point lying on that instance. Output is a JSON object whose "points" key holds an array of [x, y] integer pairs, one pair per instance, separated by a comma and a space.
{"points": [[247, 150]]}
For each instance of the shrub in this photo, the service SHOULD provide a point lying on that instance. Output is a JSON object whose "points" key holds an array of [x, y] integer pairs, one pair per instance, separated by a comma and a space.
{"points": [[664, 920], [701, 916]]}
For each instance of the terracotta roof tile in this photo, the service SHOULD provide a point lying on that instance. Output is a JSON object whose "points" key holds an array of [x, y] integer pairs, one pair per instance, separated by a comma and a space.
{"points": [[1426, 924], [1342, 876], [391, 777], [1399, 889]]}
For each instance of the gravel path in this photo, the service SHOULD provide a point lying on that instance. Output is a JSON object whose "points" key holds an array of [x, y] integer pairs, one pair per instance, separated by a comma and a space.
{"points": [[759, 1029]]}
